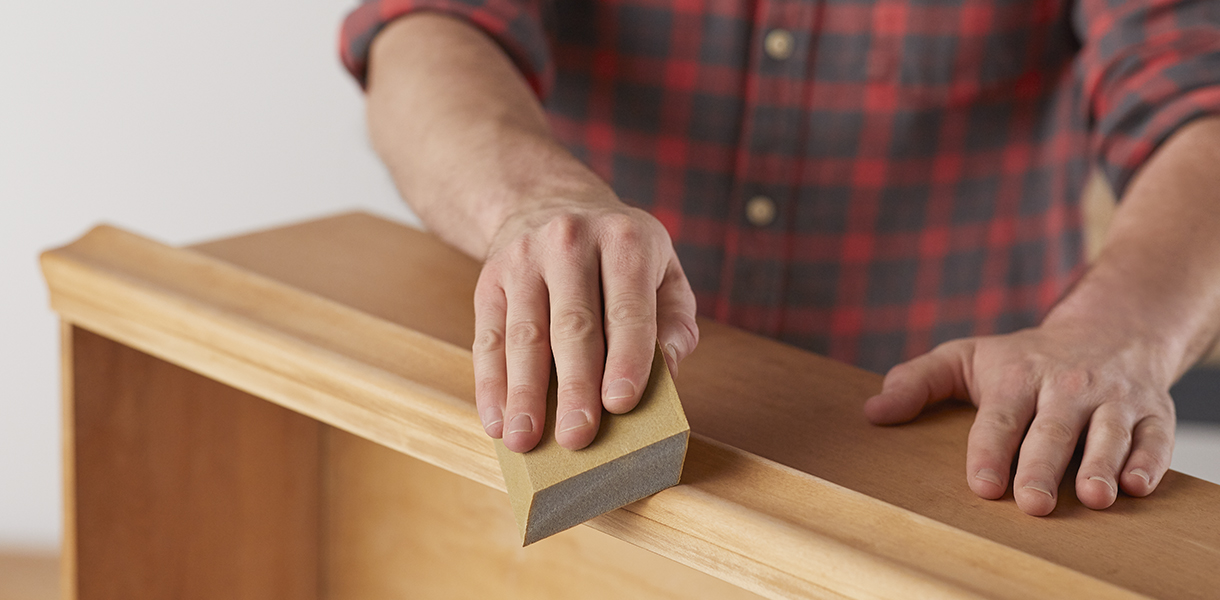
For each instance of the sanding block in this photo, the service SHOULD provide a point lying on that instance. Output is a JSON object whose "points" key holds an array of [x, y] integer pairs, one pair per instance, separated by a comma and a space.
{"points": [[635, 455]]}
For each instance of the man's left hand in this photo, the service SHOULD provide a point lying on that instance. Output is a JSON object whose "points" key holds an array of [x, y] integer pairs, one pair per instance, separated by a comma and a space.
{"points": [[1060, 381]]}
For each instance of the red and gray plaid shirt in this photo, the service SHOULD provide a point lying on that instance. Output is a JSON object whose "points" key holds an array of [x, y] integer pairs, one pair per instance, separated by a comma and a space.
{"points": [[864, 178]]}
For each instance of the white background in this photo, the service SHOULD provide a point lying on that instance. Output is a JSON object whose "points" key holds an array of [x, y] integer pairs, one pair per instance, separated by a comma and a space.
{"points": [[180, 121]]}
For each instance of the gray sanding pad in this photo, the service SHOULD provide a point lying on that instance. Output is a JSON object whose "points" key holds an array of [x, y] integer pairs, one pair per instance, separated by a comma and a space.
{"points": [[634, 456]]}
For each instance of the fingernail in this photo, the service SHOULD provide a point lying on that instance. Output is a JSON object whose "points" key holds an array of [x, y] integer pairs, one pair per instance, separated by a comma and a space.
{"points": [[620, 388], [1142, 474], [1103, 480], [521, 423], [988, 475], [1038, 486], [575, 419], [671, 351], [491, 417]]}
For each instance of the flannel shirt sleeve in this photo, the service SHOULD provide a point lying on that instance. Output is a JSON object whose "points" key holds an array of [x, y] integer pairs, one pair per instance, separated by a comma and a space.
{"points": [[516, 25], [1149, 67]]}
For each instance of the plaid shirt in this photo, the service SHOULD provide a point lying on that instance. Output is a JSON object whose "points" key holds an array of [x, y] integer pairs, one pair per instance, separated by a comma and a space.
{"points": [[864, 178]]}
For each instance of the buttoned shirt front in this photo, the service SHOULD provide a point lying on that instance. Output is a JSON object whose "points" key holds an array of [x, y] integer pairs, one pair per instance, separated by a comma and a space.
{"points": [[864, 178]]}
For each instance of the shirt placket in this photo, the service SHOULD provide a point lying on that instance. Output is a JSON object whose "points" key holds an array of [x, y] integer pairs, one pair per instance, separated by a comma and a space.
{"points": [[767, 166]]}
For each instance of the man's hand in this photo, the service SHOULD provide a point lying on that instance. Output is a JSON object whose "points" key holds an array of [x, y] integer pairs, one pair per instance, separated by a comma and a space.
{"points": [[569, 268], [595, 283], [1101, 363], [1061, 382]]}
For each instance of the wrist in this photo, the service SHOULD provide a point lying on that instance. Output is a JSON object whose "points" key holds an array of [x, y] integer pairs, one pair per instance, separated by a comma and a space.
{"points": [[538, 175], [1112, 310], [1158, 275]]}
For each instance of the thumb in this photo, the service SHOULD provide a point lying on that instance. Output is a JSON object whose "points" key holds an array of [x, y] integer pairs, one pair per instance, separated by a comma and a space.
{"points": [[677, 330], [912, 385]]}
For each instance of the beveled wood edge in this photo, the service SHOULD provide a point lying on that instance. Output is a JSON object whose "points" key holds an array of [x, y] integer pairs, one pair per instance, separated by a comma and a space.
{"points": [[67, 385], [413, 394]]}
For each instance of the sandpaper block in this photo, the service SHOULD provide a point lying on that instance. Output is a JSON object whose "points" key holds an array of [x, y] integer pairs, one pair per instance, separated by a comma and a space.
{"points": [[635, 455]]}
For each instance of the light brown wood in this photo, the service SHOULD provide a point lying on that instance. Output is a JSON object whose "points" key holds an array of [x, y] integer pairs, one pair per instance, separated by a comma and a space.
{"points": [[67, 374], [26, 575], [320, 317], [184, 487], [1097, 207], [635, 455], [398, 529]]}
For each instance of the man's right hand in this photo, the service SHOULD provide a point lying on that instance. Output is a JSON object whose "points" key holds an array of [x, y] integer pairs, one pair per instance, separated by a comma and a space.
{"points": [[596, 284], [570, 270]]}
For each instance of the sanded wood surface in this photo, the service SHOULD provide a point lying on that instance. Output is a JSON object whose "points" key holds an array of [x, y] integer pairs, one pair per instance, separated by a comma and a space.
{"points": [[184, 487], [863, 512], [399, 529]]}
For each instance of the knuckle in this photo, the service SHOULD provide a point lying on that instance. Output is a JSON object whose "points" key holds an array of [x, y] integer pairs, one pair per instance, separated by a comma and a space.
{"points": [[1152, 461], [1040, 469], [685, 326], [523, 395], [519, 251], [1111, 434], [565, 231], [1162, 407], [1015, 375], [1001, 421], [488, 340], [1073, 380], [622, 228], [574, 323], [526, 334], [1054, 430], [630, 310], [489, 389], [577, 388]]}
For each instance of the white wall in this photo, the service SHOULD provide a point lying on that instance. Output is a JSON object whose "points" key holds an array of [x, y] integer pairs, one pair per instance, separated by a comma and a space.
{"points": [[179, 120]]}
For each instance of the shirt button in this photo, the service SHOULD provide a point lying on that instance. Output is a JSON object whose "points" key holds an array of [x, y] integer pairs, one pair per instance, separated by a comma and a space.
{"points": [[779, 44], [760, 211]]}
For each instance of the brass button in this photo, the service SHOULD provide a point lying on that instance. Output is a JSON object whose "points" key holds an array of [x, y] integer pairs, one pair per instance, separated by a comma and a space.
{"points": [[760, 211], [779, 44]]}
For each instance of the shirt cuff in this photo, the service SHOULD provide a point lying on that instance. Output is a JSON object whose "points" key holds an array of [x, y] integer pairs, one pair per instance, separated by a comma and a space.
{"points": [[516, 25]]}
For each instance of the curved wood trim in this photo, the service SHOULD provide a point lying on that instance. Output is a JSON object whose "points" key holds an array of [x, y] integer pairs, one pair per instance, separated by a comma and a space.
{"points": [[739, 517]]}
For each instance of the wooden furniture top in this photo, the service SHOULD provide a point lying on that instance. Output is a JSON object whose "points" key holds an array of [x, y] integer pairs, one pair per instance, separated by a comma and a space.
{"points": [[364, 324]]}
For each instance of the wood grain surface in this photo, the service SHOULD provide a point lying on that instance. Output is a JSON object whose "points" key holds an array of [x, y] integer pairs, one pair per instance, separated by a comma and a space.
{"points": [[399, 528], [323, 317], [184, 487]]}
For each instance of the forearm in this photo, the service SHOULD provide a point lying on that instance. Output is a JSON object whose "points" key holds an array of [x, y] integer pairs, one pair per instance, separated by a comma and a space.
{"points": [[1158, 276], [462, 134]]}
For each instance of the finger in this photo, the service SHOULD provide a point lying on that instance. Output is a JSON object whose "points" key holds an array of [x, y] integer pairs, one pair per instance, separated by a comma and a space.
{"points": [[677, 330], [490, 376], [528, 362], [908, 387], [1045, 453], [578, 347], [1106, 446], [630, 290], [1006, 405], [1151, 452]]}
